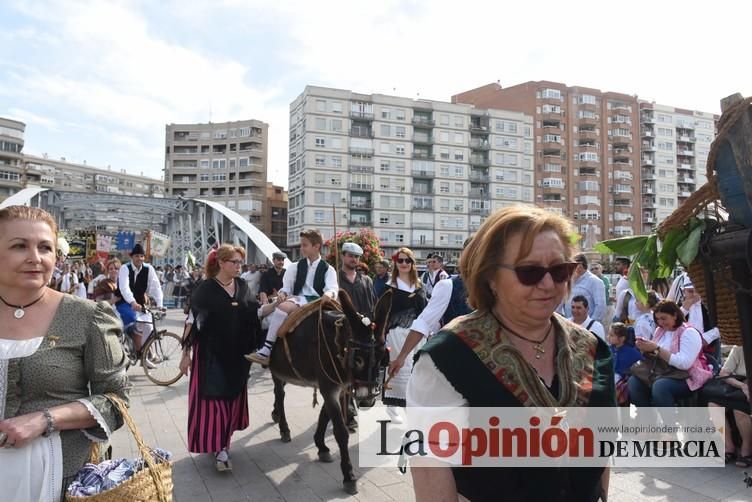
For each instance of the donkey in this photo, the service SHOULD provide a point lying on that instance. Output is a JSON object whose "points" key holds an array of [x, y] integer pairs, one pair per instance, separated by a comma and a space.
{"points": [[334, 352]]}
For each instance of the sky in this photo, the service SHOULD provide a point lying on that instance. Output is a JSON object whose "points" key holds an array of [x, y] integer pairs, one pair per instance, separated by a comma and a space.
{"points": [[97, 81]]}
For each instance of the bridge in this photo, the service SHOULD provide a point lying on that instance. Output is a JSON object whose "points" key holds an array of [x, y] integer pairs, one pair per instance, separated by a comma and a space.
{"points": [[192, 225]]}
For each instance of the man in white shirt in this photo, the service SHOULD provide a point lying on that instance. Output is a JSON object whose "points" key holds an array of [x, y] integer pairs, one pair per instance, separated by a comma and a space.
{"points": [[307, 280], [587, 284], [135, 280], [621, 264], [253, 278], [580, 316]]}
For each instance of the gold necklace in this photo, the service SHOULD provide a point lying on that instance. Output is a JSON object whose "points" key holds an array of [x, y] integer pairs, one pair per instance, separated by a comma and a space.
{"points": [[537, 344]]}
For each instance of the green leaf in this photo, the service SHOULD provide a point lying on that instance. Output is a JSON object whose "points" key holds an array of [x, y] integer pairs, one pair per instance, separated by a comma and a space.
{"points": [[667, 256], [634, 277], [625, 246], [688, 248]]}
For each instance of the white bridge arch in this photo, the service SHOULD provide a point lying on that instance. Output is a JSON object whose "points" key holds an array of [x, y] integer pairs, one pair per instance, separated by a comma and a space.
{"points": [[194, 225]]}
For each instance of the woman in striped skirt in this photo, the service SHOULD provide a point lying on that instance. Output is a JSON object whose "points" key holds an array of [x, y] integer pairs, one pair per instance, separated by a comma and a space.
{"points": [[223, 325]]}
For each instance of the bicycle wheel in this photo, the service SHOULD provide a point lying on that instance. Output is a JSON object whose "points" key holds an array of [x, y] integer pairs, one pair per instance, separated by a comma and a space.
{"points": [[160, 358]]}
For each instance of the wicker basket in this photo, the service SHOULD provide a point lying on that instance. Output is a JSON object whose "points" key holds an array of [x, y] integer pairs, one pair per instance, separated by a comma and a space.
{"points": [[151, 484], [725, 299]]}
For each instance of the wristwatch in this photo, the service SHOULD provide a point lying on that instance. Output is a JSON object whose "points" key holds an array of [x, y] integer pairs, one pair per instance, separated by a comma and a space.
{"points": [[656, 352], [50, 423]]}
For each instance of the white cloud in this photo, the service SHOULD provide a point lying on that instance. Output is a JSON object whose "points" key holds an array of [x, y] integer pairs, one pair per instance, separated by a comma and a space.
{"points": [[28, 117]]}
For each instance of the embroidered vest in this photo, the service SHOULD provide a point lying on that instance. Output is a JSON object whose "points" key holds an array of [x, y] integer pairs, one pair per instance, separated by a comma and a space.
{"points": [[139, 284], [457, 302], [318, 278]]}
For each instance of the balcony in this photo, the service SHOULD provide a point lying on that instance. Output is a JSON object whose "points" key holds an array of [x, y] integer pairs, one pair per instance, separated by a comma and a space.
{"points": [[684, 193], [479, 177], [361, 204], [360, 223], [423, 121], [479, 193], [364, 152], [360, 168], [686, 153], [618, 189], [417, 154], [686, 179], [421, 242], [647, 119], [648, 191], [357, 132], [364, 187], [588, 121], [483, 211], [422, 173], [479, 128], [477, 144], [587, 134], [648, 203], [360, 115], [648, 174], [685, 167], [646, 161], [686, 139], [423, 226], [648, 219], [422, 139], [646, 133], [423, 206], [685, 125], [477, 160], [648, 147], [622, 109]]}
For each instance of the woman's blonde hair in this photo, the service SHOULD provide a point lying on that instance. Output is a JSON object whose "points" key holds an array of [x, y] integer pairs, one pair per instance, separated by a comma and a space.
{"points": [[30, 214], [223, 252], [112, 262], [480, 258], [415, 281]]}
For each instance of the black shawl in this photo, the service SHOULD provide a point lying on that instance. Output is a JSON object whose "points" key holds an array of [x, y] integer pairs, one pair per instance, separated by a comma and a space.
{"points": [[225, 328]]}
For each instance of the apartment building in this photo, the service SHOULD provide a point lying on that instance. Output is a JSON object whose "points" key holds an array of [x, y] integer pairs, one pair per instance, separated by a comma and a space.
{"points": [[423, 174], [223, 162], [675, 145], [275, 215], [81, 177], [587, 163], [11, 156]]}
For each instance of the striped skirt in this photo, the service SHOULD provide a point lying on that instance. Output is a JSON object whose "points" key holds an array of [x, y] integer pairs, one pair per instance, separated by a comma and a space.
{"points": [[211, 422]]}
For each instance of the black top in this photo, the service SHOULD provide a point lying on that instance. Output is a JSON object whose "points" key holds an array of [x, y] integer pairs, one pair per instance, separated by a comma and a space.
{"points": [[271, 281], [360, 291], [406, 307], [470, 377], [225, 328]]}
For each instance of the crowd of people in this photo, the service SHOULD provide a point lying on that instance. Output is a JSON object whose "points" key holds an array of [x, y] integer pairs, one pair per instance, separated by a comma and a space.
{"points": [[522, 301]]}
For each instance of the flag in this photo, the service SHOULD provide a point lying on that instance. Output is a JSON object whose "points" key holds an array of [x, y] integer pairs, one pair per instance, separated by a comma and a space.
{"points": [[158, 243]]}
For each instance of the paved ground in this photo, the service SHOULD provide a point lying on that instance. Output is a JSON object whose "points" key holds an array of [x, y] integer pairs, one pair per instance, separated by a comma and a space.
{"points": [[266, 469]]}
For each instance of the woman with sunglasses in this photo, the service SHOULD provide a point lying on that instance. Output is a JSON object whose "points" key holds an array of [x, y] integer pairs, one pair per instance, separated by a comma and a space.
{"points": [[222, 326], [514, 350], [408, 301]]}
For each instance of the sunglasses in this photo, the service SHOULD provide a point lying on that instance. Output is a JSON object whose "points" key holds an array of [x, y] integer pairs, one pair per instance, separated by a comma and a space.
{"points": [[405, 260], [530, 275], [235, 262]]}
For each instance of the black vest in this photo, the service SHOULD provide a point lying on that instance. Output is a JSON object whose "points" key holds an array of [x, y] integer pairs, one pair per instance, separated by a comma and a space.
{"points": [[139, 284], [457, 302], [318, 278]]}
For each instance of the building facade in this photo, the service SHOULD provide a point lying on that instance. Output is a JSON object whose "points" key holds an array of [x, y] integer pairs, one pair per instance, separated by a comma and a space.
{"points": [[222, 162], [423, 174], [674, 152], [586, 152], [275, 215], [11, 157], [75, 177]]}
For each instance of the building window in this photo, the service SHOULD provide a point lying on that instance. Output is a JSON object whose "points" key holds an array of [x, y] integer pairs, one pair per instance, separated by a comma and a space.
{"points": [[320, 105], [320, 161], [586, 99], [320, 142], [550, 94], [399, 150]]}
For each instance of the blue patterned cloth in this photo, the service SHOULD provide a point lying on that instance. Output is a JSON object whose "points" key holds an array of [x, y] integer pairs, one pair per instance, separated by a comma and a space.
{"points": [[97, 478]]}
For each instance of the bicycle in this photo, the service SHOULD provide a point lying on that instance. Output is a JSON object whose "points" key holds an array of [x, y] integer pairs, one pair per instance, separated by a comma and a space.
{"points": [[159, 355]]}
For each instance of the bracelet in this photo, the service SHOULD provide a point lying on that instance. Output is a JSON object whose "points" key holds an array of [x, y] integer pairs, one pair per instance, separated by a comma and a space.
{"points": [[50, 423]]}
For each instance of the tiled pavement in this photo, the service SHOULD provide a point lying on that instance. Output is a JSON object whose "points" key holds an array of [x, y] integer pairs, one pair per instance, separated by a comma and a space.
{"points": [[267, 469]]}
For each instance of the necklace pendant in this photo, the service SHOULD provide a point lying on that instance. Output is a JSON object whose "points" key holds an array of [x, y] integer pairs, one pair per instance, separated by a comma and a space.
{"points": [[539, 350], [19, 313]]}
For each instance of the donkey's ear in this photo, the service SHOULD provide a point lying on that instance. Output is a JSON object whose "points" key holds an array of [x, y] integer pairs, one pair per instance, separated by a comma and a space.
{"points": [[382, 310], [347, 306]]}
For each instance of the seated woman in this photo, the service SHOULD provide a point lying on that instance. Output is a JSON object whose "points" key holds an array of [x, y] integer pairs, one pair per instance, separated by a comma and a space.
{"points": [[734, 374], [679, 345], [513, 351]]}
